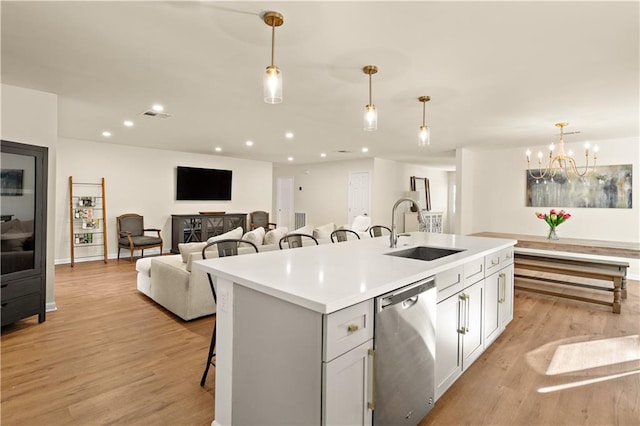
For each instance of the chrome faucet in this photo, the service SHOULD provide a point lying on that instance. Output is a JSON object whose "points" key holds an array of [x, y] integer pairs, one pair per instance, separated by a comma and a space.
{"points": [[393, 237]]}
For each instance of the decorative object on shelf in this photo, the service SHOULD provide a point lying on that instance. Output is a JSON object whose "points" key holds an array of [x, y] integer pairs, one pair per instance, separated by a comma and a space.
{"points": [[273, 77], [562, 162], [553, 219], [608, 187], [425, 131], [370, 111]]}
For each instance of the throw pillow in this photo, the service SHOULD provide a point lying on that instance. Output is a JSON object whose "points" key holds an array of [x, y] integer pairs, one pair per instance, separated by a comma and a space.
{"points": [[187, 248], [274, 236], [256, 236], [324, 231], [235, 234]]}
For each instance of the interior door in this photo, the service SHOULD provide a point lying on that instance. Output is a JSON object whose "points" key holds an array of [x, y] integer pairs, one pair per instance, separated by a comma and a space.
{"points": [[359, 202], [284, 201]]}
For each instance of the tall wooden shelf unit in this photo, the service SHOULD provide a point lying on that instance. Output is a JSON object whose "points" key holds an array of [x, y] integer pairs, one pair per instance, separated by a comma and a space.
{"points": [[87, 218]]}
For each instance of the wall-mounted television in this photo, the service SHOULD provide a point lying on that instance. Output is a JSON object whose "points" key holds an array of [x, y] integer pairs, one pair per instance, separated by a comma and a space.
{"points": [[193, 183]]}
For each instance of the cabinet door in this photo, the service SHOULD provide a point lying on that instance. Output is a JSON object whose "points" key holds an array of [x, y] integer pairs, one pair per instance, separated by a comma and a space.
{"points": [[492, 323], [347, 388], [473, 337], [498, 305], [448, 339], [506, 299]]}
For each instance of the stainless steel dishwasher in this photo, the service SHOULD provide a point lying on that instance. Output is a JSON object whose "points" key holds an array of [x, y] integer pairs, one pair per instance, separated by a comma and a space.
{"points": [[404, 343]]}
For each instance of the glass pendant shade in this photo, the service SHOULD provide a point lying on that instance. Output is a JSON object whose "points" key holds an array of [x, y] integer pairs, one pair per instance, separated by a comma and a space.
{"points": [[425, 136], [273, 85], [370, 118]]}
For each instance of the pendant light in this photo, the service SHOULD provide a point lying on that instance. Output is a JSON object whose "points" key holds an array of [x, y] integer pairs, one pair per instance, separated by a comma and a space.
{"points": [[370, 111], [272, 82], [425, 131]]}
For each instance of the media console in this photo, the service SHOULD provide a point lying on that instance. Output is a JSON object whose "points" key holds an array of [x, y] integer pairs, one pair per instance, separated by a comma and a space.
{"points": [[191, 228]]}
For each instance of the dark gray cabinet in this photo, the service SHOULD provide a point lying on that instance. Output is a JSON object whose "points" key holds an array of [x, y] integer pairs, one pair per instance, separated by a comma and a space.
{"points": [[193, 228], [23, 230]]}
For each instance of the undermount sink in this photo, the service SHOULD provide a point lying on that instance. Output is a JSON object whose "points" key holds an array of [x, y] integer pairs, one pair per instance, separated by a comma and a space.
{"points": [[425, 253]]}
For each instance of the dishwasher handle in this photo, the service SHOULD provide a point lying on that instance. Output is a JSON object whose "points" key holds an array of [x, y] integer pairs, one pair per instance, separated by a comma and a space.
{"points": [[408, 295]]}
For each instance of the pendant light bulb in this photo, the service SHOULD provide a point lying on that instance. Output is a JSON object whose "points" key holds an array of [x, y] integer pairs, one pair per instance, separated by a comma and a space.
{"points": [[425, 131], [272, 81], [370, 110]]}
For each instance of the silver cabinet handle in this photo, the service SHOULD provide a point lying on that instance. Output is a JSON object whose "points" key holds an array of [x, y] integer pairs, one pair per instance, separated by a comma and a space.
{"points": [[466, 300], [372, 404]]}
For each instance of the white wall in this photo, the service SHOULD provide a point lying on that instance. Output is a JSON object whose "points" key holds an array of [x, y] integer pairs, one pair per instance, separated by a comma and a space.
{"points": [[325, 192], [497, 199], [142, 180], [31, 117]]}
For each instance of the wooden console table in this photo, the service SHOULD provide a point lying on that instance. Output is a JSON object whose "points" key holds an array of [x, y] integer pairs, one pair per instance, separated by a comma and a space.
{"points": [[571, 245]]}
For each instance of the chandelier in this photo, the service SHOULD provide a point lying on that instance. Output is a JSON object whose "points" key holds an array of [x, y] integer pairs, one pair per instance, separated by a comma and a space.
{"points": [[561, 161]]}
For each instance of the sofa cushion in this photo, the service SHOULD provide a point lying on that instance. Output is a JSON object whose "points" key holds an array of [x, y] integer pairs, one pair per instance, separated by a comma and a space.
{"points": [[235, 234], [308, 229], [256, 236], [187, 248], [274, 236], [324, 231]]}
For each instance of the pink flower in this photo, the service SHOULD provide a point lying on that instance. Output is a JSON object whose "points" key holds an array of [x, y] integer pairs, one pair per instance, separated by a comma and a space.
{"points": [[566, 216], [552, 211]]}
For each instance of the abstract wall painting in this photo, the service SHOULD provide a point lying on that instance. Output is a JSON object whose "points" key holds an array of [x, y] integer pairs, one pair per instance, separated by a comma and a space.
{"points": [[607, 187]]}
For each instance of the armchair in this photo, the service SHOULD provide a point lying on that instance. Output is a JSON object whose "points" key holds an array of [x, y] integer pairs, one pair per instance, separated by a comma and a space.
{"points": [[131, 234], [259, 219]]}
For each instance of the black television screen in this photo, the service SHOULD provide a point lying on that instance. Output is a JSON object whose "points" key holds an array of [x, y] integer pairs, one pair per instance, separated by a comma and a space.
{"points": [[203, 184]]}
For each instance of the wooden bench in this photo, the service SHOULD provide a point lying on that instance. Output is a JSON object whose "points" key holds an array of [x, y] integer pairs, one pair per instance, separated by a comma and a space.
{"points": [[551, 263]]}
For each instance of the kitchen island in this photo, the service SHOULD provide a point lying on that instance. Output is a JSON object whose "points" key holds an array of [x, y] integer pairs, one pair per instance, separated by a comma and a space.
{"points": [[295, 327]]}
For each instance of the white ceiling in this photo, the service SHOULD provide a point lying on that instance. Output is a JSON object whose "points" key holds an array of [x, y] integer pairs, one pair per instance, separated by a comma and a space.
{"points": [[499, 74]]}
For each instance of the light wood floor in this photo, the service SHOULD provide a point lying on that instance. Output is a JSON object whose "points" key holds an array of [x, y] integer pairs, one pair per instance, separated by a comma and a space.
{"points": [[109, 355]]}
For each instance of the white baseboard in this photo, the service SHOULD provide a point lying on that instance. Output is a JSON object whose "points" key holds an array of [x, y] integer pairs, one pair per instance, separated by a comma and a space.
{"points": [[50, 307]]}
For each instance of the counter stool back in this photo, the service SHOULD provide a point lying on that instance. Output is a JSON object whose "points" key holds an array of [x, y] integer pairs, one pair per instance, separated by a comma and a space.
{"points": [[227, 247], [294, 240], [376, 230], [341, 235]]}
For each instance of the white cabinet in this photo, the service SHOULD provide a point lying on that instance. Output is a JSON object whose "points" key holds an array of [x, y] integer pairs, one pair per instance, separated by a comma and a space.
{"points": [[347, 352], [347, 388], [498, 306], [459, 334]]}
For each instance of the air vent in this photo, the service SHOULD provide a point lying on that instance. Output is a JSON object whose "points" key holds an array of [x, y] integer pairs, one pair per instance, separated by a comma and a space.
{"points": [[344, 151], [154, 114]]}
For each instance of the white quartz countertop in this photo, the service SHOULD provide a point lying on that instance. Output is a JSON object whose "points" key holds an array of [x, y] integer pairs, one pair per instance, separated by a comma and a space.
{"points": [[330, 277]]}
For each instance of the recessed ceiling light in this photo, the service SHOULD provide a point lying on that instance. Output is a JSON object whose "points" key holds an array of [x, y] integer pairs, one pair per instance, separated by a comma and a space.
{"points": [[288, 135], [128, 123], [365, 149], [290, 158], [323, 155], [106, 134], [249, 143], [218, 149], [157, 108]]}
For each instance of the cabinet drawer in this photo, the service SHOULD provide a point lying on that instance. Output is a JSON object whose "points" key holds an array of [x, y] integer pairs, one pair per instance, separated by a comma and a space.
{"points": [[345, 329], [449, 282], [492, 262], [20, 307], [21, 287], [506, 257], [473, 271]]}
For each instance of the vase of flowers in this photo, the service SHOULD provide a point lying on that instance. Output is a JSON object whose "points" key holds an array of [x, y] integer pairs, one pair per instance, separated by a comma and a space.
{"points": [[554, 219]]}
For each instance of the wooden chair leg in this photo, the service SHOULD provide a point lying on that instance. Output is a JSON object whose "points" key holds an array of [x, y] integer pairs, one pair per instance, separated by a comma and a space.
{"points": [[617, 283]]}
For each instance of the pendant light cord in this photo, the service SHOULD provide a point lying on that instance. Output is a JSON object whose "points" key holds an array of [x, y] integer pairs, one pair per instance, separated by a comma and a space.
{"points": [[273, 41]]}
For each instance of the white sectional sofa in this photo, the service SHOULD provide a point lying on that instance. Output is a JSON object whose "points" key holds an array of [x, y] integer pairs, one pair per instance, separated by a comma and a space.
{"points": [[171, 282]]}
